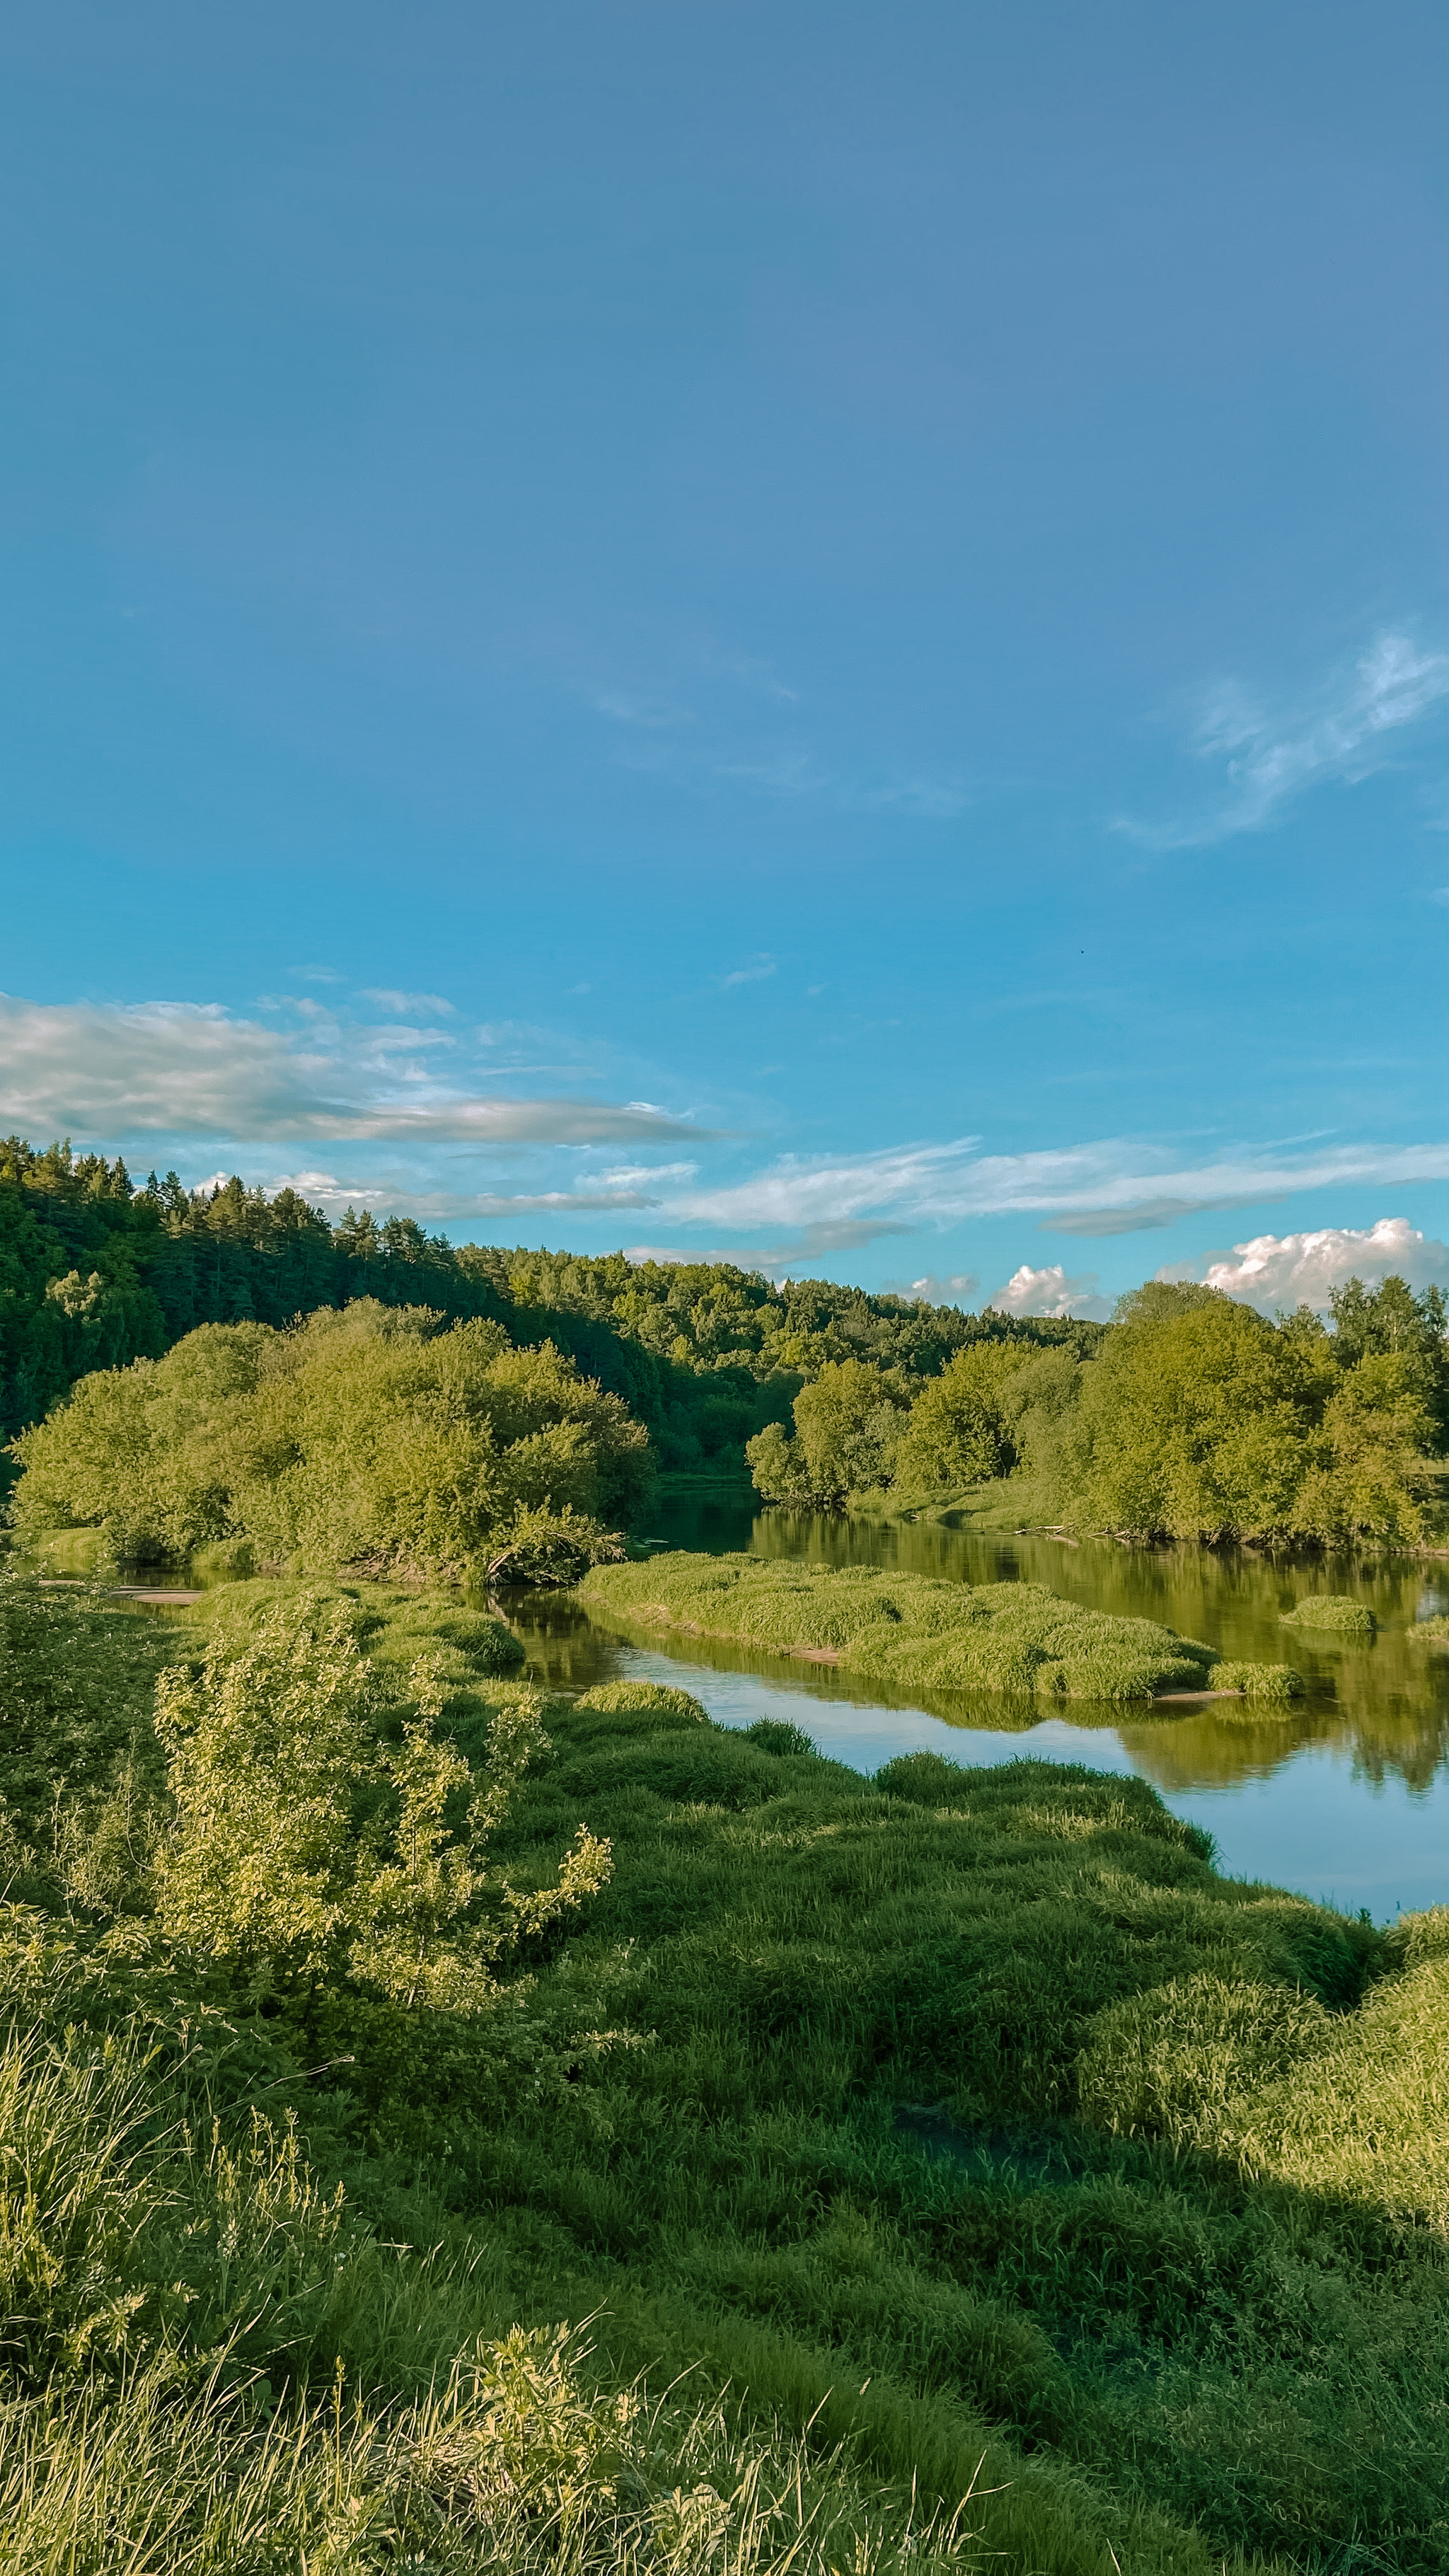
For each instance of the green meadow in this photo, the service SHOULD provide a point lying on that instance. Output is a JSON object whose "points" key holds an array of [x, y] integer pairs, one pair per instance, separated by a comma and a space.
{"points": [[945, 2169]]}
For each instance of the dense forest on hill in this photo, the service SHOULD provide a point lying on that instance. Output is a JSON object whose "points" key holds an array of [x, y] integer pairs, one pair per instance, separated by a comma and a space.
{"points": [[96, 1270]]}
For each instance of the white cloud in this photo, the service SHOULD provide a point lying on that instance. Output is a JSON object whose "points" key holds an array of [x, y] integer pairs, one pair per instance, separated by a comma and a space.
{"points": [[931, 1291], [323, 1189], [444, 1205], [757, 972], [941, 1184], [1051, 1292], [177, 1068], [1271, 757], [633, 1176], [395, 1001], [1287, 1270]]}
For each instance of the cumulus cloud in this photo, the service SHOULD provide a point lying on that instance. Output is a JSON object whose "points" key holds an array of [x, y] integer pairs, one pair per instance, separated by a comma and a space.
{"points": [[1271, 756], [1051, 1292], [931, 1291], [178, 1068], [1286, 1270]]}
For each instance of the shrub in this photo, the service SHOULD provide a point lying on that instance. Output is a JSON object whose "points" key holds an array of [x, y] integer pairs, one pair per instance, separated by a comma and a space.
{"points": [[910, 1631], [656, 1700], [368, 1437], [310, 1851]]}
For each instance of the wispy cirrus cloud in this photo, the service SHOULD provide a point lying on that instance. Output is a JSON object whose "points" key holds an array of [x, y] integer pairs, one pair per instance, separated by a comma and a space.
{"points": [[391, 1000], [184, 1069], [758, 971], [404, 1195], [1113, 1179], [1268, 756]]}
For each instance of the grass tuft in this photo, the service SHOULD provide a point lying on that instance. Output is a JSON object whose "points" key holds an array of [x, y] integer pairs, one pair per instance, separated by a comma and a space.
{"points": [[1332, 1614]]}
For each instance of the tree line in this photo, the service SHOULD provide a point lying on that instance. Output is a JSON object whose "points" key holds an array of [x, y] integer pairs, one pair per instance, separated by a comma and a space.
{"points": [[97, 1270], [1190, 1417]]}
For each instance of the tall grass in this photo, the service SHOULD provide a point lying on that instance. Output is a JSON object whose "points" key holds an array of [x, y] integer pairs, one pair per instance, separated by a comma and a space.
{"points": [[946, 2170], [911, 1631], [1332, 1614]]}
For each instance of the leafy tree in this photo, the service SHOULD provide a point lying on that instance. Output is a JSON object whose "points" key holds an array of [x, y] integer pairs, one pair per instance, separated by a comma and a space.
{"points": [[371, 1436], [1200, 1419], [959, 1430], [1391, 1322], [849, 1422], [308, 1851]]}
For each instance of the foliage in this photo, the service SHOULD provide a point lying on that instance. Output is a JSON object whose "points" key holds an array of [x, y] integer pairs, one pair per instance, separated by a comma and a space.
{"points": [[983, 2139], [1190, 1417], [914, 1632], [1278, 1684], [860, 1428], [310, 1851], [960, 1428], [849, 1422], [371, 1436], [96, 1272], [1199, 1419], [1335, 1612]]}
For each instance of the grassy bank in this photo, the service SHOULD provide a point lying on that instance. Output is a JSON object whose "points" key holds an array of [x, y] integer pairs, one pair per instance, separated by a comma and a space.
{"points": [[913, 1632], [947, 2129]]}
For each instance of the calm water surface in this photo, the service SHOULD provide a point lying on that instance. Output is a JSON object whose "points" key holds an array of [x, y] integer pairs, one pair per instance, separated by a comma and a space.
{"points": [[1347, 1799]]}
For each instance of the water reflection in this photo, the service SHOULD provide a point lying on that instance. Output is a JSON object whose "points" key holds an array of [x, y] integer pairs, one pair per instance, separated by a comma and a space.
{"points": [[1346, 1796]]}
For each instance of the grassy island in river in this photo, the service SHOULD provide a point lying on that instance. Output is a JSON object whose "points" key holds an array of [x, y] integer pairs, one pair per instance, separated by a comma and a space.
{"points": [[914, 1632]]}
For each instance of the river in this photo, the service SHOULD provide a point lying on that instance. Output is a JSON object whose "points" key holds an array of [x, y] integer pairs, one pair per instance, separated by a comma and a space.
{"points": [[1346, 1798]]}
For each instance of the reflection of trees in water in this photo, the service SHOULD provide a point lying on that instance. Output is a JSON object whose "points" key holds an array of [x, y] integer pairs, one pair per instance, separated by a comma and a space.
{"points": [[1205, 1751], [1386, 1703], [1383, 1751]]}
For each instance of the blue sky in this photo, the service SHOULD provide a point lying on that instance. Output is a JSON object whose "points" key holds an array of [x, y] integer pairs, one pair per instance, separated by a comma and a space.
{"points": [[816, 632]]}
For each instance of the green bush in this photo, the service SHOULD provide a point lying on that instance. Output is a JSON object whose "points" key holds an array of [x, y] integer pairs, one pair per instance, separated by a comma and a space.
{"points": [[657, 1701], [366, 1438], [776, 1736]]}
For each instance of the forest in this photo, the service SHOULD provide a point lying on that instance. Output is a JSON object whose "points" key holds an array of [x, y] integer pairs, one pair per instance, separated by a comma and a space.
{"points": [[96, 1271], [1189, 1417]]}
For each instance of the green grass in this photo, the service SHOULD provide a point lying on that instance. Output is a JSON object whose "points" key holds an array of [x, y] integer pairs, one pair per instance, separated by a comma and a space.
{"points": [[959, 2134], [1332, 1614], [911, 1631]]}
